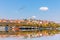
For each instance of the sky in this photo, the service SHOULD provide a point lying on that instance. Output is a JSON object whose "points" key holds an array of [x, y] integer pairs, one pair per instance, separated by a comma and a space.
{"points": [[18, 9]]}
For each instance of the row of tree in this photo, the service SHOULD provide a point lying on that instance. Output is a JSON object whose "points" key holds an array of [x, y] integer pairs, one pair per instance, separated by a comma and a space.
{"points": [[50, 24]]}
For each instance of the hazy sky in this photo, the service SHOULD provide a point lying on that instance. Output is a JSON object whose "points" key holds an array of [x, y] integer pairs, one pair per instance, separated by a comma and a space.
{"points": [[18, 9]]}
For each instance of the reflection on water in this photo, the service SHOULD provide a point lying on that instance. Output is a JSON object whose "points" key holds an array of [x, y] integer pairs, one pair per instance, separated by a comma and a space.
{"points": [[28, 32], [31, 32], [55, 37]]}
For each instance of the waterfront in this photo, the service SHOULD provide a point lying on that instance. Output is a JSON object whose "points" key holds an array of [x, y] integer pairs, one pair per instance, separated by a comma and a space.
{"points": [[55, 37]]}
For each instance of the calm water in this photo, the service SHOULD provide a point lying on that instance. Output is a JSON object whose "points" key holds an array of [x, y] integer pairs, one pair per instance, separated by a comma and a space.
{"points": [[55, 37]]}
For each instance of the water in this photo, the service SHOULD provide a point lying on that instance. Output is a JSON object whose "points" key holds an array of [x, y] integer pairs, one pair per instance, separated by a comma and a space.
{"points": [[55, 37], [49, 30]]}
